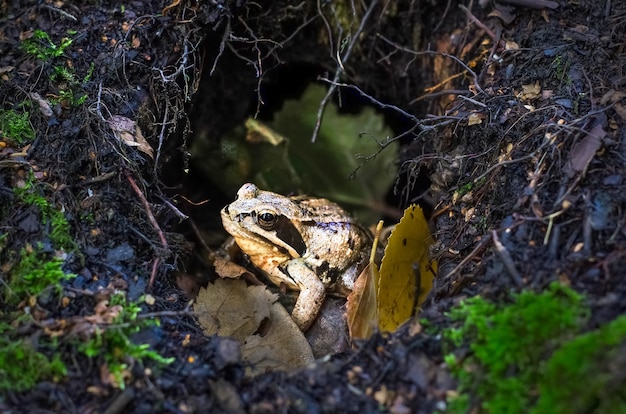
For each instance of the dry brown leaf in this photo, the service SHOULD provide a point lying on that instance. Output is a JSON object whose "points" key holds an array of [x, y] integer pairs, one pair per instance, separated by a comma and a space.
{"points": [[584, 151], [361, 306], [511, 45], [475, 118], [44, 105], [229, 307], [612, 96], [531, 91], [114, 380], [362, 303], [257, 132], [227, 269], [127, 131], [284, 346], [621, 111]]}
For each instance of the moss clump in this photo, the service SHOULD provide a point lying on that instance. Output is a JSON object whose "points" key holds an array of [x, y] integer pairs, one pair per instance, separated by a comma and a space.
{"points": [[34, 271], [15, 127], [530, 357], [586, 375], [21, 366], [113, 340], [59, 227], [42, 47]]}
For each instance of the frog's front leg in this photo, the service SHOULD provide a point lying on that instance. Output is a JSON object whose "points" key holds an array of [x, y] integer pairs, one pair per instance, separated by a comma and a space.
{"points": [[312, 293]]}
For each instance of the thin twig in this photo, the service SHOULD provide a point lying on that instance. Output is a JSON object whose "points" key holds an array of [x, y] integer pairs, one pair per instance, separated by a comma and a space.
{"points": [[467, 258], [505, 256], [153, 273], [480, 24], [431, 52], [381, 105], [146, 206], [340, 69], [222, 45], [61, 12]]}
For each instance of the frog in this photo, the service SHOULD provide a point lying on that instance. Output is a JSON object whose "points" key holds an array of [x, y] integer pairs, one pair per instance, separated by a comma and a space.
{"points": [[305, 244]]}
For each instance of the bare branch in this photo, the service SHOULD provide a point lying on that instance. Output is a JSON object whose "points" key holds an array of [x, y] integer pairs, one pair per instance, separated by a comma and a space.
{"points": [[431, 52], [340, 69]]}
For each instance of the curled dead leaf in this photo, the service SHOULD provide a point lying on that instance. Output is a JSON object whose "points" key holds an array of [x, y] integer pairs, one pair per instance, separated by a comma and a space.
{"points": [[361, 307], [44, 105], [584, 151], [227, 269], [127, 131], [531, 91]]}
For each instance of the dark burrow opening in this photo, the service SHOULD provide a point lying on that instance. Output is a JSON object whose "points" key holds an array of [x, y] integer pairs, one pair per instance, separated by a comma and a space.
{"points": [[225, 99]]}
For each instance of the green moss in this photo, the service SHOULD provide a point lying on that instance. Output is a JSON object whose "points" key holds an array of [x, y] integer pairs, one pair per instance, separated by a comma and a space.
{"points": [[114, 344], [71, 93], [586, 375], [33, 273], [21, 366], [59, 228], [512, 359], [42, 47], [35, 268], [15, 127]]}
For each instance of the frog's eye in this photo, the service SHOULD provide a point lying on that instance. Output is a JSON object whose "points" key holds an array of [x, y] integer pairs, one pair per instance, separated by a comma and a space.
{"points": [[266, 219]]}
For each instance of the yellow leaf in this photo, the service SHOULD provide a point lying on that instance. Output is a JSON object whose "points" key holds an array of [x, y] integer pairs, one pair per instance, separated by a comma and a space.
{"points": [[258, 132], [406, 274]]}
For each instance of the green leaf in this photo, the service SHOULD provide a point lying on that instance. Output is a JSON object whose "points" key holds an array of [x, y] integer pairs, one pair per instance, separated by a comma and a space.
{"points": [[334, 166], [279, 156]]}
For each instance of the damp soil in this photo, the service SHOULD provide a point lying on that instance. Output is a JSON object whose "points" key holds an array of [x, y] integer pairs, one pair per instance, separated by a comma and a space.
{"points": [[511, 121]]}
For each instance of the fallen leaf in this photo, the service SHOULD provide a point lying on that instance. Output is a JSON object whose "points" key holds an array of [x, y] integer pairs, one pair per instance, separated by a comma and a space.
{"points": [[584, 151], [230, 307], [406, 273], [44, 105], [531, 91], [259, 132], [270, 338], [612, 96], [283, 347], [475, 118], [226, 269], [621, 111], [361, 306], [510, 45], [362, 303], [127, 131]]}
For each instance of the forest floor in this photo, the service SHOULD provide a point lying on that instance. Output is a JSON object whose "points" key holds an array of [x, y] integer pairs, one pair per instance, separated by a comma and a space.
{"points": [[511, 117]]}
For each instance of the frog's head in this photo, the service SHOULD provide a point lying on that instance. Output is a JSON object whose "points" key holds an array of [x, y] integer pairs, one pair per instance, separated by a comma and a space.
{"points": [[265, 223]]}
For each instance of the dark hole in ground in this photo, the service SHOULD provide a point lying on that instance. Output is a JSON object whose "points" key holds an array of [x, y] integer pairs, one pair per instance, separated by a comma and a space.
{"points": [[240, 101]]}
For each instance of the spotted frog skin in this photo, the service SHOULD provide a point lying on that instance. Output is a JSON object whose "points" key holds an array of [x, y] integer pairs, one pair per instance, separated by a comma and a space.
{"points": [[307, 244]]}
